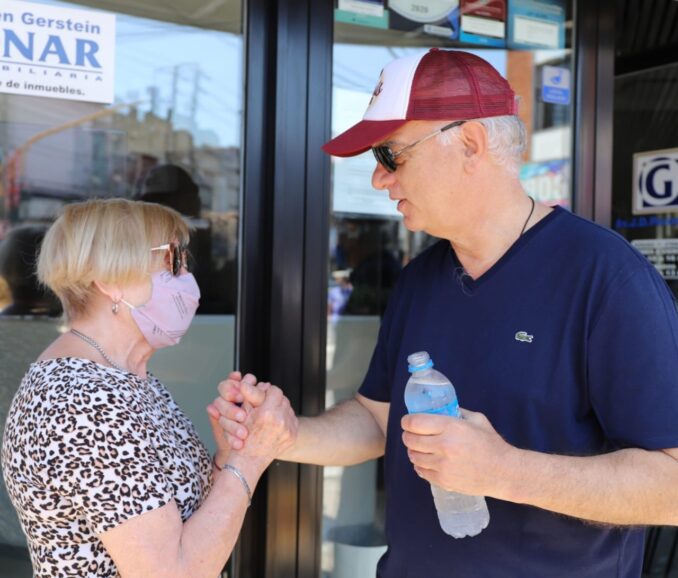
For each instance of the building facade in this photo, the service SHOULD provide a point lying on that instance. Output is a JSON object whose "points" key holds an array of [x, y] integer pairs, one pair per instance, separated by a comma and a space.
{"points": [[295, 253]]}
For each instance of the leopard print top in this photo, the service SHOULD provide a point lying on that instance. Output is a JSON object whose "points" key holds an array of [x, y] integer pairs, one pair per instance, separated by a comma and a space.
{"points": [[87, 447]]}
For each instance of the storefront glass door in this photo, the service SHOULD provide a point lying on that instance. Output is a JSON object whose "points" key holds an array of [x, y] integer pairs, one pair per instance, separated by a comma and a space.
{"points": [[645, 209], [144, 102], [645, 166]]}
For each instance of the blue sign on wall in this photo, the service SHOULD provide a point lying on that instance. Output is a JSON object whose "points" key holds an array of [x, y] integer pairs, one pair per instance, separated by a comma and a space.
{"points": [[555, 84]]}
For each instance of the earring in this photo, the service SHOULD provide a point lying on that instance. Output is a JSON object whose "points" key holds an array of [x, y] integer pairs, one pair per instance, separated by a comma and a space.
{"points": [[114, 308]]}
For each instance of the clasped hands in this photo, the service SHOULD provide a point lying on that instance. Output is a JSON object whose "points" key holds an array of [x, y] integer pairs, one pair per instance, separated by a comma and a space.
{"points": [[258, 413], [466, 456]]}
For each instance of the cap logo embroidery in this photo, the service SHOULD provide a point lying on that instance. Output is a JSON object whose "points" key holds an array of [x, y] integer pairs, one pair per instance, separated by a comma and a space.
{"points": [[523, 336], [377, 90]]}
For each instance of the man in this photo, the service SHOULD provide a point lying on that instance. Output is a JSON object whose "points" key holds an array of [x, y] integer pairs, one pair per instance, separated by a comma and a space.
{"points": [[556, 329]]}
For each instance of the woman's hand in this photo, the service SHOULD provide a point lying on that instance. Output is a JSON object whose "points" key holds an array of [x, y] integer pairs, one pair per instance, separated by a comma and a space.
{"points": [[237, 397], [223, 442], [258, 413]]}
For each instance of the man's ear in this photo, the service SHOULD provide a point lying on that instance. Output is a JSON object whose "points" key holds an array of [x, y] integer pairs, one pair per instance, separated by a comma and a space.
{"points": [[473, 135]]}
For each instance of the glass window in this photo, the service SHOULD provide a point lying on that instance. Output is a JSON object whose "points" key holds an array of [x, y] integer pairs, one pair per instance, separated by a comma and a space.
{"points": [[645, 166], [170, 133], [529, 43]]}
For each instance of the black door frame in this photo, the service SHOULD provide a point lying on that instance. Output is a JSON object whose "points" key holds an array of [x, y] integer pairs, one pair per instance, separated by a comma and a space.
{"points": [[593, 112], [284, 247], [282, 311]]}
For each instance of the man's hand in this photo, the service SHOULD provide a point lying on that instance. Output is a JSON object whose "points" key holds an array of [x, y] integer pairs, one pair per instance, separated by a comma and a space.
{"points": [[238, 396], [466, 456], [271, 426], [258, 412]]}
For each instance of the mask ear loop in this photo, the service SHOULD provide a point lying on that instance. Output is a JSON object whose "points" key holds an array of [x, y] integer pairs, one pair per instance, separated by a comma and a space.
{"points": [[133, 307], [128, 304]]}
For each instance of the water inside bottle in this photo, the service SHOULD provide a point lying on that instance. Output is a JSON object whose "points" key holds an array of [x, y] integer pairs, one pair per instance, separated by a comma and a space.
{"points": [[419, 398], [451, 409]]}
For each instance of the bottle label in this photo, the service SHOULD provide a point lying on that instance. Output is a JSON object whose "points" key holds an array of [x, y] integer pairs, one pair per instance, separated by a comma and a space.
{"points": [[451, 409]]}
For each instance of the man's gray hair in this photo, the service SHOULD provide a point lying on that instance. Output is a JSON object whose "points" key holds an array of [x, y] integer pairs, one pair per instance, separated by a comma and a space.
{"points": [[506, 139]]}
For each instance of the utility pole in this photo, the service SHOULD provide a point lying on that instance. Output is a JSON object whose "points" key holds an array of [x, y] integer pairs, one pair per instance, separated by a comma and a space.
{"points": [[172, 109]]}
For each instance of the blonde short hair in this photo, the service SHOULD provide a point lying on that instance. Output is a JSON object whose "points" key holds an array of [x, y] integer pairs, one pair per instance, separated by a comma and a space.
{"points": [[104, 240]]}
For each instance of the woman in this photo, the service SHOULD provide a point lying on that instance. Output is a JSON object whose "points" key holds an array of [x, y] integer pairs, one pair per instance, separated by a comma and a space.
{"points": [[108, 476]]}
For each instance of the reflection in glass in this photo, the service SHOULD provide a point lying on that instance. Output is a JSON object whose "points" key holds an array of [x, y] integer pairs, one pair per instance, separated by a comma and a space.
{"points": [[172, 136], [23, 295]]}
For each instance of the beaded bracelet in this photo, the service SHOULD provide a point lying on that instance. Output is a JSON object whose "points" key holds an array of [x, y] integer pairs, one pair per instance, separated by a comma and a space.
{"points": [[238, 474]]}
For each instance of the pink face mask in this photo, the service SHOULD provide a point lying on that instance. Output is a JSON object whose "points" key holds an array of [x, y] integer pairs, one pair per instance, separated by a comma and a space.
{"points": [[166, 316]]}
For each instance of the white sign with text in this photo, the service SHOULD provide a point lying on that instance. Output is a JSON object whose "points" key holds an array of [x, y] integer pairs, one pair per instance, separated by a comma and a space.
{"points": [[56, 52], [655, 182], [662, 253]]}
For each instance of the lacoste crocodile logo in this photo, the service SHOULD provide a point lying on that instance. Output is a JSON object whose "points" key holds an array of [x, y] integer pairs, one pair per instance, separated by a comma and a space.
{"points": [[523, 336]]}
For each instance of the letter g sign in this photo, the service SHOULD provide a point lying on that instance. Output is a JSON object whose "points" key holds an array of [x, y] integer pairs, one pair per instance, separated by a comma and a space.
{"points": [[655, 182]]}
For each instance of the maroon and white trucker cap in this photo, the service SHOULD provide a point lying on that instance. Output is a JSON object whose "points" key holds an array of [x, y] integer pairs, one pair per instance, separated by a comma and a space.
{"points": [[436, 85]]}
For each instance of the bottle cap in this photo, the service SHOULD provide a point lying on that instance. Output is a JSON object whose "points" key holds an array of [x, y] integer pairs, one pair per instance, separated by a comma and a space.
{"points": [[419, 361], [413, 368]]}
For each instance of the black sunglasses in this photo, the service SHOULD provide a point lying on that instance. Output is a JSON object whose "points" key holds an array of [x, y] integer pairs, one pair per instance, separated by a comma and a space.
{"points": [[177, 256], [386, 157]]}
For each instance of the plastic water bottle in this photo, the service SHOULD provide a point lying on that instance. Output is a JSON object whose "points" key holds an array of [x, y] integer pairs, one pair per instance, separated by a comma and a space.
{"points": [[429, 391]]}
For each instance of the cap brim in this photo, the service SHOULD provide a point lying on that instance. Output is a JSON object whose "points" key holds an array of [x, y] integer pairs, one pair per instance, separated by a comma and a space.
{"points": [[361, 137]]}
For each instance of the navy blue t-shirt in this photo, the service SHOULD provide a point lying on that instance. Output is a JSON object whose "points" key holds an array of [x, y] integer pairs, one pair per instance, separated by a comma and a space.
{"points": [[569, 345]]}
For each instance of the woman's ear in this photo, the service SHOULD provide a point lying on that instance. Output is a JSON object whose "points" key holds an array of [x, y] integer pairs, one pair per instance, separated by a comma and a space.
{"points": [[110, 290]]}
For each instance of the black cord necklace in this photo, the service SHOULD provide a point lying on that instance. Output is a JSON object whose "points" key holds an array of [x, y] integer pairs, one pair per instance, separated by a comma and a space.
{"points": [[528, 217], [460, 272]]}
